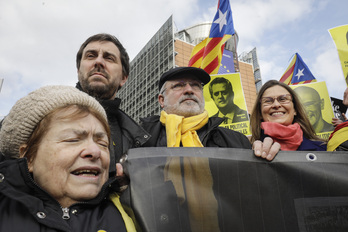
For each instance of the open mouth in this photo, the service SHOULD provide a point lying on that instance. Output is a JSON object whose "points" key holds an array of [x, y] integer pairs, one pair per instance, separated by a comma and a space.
{"points": [[86, 172]]}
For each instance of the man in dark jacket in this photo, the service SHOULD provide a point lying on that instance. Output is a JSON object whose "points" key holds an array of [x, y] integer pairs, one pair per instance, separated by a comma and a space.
{"points": [[185, 123], [181, 96], [103, 68]]}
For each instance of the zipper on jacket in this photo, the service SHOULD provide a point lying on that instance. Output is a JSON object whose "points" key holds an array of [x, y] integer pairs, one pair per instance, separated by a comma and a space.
{"points": [[66, 215], [66, 210]]}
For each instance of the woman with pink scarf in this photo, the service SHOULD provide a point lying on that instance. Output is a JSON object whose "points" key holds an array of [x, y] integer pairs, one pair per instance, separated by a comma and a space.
{"points": [[279, 114]]}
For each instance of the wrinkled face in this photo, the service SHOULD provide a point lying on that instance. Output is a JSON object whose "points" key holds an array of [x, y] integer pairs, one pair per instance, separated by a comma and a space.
{"points": [[185, 101], [276, 112], [100, 72], [345, 97], [221, 95], [312, 106], [72, 162]]}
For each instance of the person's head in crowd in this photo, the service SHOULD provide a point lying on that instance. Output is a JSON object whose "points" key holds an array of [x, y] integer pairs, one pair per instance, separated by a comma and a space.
{"points": [[181, 91], [64, 135], [337, 121], [221, 92], [345, 97], [102, 65], [277, 102], [313, 105]]}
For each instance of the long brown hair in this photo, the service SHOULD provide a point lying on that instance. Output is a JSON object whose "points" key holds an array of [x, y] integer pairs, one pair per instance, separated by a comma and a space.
{"points": [[300, 117]]}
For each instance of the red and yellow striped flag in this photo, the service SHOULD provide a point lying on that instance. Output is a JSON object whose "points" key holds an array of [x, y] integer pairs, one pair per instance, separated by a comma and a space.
{"points": [[208, 54]]}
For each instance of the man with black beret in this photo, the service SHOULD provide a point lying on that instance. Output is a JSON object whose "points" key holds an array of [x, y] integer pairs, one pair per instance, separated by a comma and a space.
{"points": [[185, 123], [181, 98]]}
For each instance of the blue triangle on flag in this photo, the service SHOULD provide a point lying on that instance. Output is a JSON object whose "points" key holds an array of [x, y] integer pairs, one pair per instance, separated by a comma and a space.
{"points": [[301, 72]]}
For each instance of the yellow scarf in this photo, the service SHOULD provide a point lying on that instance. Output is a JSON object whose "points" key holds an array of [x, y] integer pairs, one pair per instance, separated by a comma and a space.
{"points": [[115, 198], [338, 137], [202, 205], [180, 129]]}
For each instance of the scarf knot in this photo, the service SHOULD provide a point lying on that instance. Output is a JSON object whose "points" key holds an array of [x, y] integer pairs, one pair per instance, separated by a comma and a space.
{"points": [[289, 137], [183, 130]]}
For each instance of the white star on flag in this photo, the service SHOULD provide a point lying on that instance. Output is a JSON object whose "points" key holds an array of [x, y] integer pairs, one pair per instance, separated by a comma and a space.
{"points": [[221, 20], [299, 73]]}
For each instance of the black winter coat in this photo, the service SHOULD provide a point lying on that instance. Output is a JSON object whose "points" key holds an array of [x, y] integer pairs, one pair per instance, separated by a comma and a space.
{"points": [[24, 206], [168, 214], [211, 135]]}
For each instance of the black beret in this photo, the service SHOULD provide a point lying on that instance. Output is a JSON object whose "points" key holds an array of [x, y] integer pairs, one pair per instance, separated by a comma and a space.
{"points": [[179, 72]]}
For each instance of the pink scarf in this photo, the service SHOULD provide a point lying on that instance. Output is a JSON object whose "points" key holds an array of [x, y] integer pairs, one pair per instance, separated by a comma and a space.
{"points": [[290, 137]]}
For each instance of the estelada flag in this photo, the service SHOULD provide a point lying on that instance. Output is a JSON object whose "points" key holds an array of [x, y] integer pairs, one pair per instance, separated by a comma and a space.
{"points": [[297, 72], [208, 54]]}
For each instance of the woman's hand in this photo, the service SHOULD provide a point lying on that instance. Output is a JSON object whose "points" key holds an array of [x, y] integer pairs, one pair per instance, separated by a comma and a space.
{"points": [[266, 149]]}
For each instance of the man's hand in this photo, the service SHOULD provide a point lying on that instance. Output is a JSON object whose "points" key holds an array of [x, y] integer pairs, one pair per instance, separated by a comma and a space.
{"points": [[119, 170], [122, 178], [336, 121], [266, 149]]}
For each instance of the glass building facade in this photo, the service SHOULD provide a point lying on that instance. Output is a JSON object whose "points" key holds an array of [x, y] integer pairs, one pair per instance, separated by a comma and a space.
{"points": [[169, 48], [139, 94], [251, 58]]}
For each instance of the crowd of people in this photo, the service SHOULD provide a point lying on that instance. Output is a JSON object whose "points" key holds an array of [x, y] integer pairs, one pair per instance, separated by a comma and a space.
{"points": [[61, 146]]}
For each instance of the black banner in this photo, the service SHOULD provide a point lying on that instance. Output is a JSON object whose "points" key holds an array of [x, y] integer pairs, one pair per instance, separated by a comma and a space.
{"points": [[297, 191]]}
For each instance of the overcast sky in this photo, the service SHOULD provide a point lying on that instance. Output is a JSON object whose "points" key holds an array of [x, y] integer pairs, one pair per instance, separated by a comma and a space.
{"points": [[39, 39]]}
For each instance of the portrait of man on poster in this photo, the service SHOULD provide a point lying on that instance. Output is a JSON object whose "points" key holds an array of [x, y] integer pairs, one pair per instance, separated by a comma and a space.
{"points": [[314, 105], [221, 91]]}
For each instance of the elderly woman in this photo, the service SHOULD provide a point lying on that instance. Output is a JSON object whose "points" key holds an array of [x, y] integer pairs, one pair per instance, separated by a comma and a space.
{"points": [[278, 114], [55, 176]]}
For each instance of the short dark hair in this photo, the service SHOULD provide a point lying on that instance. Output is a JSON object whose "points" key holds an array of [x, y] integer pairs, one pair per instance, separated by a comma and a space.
{"points": [[110, 38], [220, 80]]}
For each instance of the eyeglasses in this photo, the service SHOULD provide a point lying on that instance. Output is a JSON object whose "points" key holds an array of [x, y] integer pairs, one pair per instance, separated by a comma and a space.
{"points": [[179, 86], [282, 99]]}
